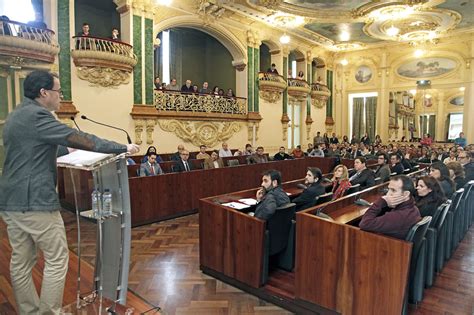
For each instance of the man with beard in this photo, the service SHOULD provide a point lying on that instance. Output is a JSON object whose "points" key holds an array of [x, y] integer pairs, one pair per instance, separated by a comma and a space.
{"points": [[314, 188], [270, 196]]}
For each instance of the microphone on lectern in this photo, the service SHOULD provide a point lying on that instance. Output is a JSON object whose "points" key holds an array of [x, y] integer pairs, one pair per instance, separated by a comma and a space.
{"points": [[75, 123], [99, 123]]}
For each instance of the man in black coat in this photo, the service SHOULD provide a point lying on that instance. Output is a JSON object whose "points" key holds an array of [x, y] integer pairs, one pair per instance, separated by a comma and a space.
{"points": [[270, 196], [395, 164], [183, 164], [314, 188], [465, 158], [362, 175]]}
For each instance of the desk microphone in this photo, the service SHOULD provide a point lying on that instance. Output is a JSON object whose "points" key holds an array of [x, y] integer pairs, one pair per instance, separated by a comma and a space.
{"points": [[75, 123], [96, 122]]}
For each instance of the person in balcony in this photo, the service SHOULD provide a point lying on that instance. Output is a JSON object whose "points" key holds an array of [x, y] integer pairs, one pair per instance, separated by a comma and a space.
{"points": [[272, 69], [230, 93], [4, 21], [187, 87], [158, 83], [205, 88], [173, 86], [115, 34], [83, 44], [300, 75], [195, 89], [221, 92], [215, 90]]}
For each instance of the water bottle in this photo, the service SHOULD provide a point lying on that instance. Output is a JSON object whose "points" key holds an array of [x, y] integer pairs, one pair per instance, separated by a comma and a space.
{"points": [[107, 202], [95, 202]]}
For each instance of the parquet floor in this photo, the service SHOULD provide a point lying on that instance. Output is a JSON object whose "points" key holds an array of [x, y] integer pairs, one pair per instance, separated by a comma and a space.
{"points": [[164, 271]]}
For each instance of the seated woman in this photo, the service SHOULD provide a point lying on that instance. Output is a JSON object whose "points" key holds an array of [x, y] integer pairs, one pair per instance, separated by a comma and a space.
{"points": [[429, 195], [340, 181], [314, 188], [441, 173], [150, 150], [456, 173]]}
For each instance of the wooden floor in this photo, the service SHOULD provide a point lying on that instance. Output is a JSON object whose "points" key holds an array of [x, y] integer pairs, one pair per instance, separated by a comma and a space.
{"points": [[164, 271]]}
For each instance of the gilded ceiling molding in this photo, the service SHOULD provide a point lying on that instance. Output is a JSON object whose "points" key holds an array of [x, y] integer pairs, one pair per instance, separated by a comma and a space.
{"points": [[105, 77], [201, 132]]}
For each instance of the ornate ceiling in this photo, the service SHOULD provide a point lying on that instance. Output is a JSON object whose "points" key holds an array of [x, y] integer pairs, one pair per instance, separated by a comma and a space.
{"points": [[350, 24]]}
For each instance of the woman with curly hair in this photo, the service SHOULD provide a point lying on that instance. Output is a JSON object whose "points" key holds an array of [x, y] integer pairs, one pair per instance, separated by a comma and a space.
{"points": [[340, 181], [429, 195], [441, 173]]}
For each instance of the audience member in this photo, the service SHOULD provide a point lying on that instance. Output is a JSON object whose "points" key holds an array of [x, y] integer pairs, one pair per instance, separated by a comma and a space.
{"points": [[85, 30], [230, 93], [451, 157], [395, 213], [441, 173], [334, 139], [377, 140], [300, 75], [173, 86], [465, 160], [220, 92], [150, 167], [314, 188], [225, 151], [272, 69], [456, 173], [187, 87], [214, 161], [215, 90], [318, 139], [429, 195], [151, 149], [205, 88], [270, 196], [258, 157], [354, 140], [282, 155], [426, 141], [355, 152], [157, 83], [183, 165], [365, 139], [383, 169], [248, 150], [461, 141], [195, 89], [317, 151], [297, 152], [177, 155], [83, 44], [395, 164], [340, 181], [202, 155], [363, 175], [326, 138], [115, 35], [310, 148]]}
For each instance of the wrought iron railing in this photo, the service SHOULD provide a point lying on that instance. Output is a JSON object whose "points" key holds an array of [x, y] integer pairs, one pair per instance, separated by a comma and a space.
{"points": [[194, 102]]}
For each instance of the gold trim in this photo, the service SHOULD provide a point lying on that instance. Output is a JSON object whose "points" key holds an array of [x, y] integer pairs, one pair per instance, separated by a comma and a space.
{"points": [[106, 77]]}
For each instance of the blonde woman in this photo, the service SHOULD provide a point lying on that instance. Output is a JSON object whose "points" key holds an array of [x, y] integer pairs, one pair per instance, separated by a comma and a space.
{"points": [[340, 181]]}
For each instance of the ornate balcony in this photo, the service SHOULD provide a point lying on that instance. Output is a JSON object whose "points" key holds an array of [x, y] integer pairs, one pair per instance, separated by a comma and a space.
{"points": [[298, 89], [22, 44], [102, 61], [271, 86], [319, 94]]}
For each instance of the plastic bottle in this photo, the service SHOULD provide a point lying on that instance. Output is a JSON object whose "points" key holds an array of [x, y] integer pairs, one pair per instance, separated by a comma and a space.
{"points": [[107, 202], [95, 202]]}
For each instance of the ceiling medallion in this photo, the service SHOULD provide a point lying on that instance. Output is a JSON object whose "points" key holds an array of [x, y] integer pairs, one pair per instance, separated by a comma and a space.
{"points": [[285, 20], [348, 46]]}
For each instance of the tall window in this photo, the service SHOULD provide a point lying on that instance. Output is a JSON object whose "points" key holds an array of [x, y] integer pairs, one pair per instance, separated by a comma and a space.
{"points": [[293, 69], [294, 126], [165, 53], [362, 114], [455, 125], [19, 10]]}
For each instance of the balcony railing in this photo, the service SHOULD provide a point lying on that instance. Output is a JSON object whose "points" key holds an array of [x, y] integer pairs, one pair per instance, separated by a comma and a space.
{"points": [[320, 94], [271, 86], [175, 101], [92, 51], [22, 41], [298, 89]]}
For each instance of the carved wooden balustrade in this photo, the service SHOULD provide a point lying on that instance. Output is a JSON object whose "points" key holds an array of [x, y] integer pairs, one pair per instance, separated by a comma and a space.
{"points": [[22, 44], [319, 94], [103, 61], [271, 86], [298, 89]]}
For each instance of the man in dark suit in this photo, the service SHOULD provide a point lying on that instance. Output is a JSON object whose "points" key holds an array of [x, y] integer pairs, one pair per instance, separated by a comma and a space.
{"points": [[465, 158], [383, 170], [270, 196], [282, 155], [362, 175], [188, 87], [396, 166], [355, 152], [83, 44], [334, 139], [258, 157], [272, 69], [177, 155], [314, 188], [214, 161], [183, 165], [150, 167]]}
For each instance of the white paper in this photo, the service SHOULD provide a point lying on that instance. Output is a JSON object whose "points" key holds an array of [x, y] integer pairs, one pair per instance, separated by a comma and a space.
{"points": [[236, 205], [82, 158], [248, 201]]}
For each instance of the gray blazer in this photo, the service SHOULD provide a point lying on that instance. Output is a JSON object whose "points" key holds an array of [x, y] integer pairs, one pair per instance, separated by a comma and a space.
{"points": [[145, 169], [31, 137]]}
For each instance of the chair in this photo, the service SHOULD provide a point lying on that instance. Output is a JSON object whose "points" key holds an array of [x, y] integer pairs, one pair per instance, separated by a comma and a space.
{"points": [[451, 229], [470, 203], [393, 174], [233, 163], [323, 198], [277, 234], [352, 189], [416, 235], [465, 216], [441, 226], [377, 180], [174, 169], [433, 239], [407, 171]]}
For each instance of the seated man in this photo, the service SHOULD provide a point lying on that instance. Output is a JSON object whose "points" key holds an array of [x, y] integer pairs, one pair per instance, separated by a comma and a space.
{"points": [[396, 166], [183, 165], [270, 196], [383, 170], [282, 155], [258, 157], [202, 155], [248, 150], [214, 161], [177, 156], [395, 213], [465, 159], [317, 151], [314, 188], [224, 151], [150, 167], [297, 152], [362, 175], [187, 87]]}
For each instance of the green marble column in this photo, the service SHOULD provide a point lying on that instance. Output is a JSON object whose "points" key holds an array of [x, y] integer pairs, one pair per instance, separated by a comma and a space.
{"points": [[330, 84], [250, 76], [137, 70], [256, 68], [309, 78], [149, 86], [285, 76], [64, 38]]}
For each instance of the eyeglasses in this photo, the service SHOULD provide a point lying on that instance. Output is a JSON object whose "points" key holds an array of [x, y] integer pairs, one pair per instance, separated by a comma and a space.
{"points": [[60, 92]]}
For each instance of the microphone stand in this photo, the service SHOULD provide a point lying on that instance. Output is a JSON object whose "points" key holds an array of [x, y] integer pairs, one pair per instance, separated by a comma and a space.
{"points": [[102, 124]]}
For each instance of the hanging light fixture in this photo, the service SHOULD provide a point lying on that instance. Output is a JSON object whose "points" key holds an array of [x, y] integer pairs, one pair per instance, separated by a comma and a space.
{"points": [[284, 39]]}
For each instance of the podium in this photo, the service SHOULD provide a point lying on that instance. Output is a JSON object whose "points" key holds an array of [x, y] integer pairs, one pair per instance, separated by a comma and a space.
{"points": [[113, 230]]}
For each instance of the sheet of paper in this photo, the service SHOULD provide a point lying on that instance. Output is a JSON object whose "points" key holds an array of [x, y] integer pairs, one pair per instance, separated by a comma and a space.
{"points": [[81, 157], [248, 201], [236, 205]]}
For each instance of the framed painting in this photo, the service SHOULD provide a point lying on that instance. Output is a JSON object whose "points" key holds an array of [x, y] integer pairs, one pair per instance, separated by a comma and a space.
{"points": [[427, 67], [363, 74]]}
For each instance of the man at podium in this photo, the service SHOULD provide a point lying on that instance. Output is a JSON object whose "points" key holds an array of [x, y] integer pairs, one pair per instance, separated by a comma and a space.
{"points": [[29, 203]]}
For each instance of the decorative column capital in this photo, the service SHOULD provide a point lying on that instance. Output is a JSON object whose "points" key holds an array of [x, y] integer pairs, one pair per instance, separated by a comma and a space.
{"points": [[66, 110], [239, 65]]}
